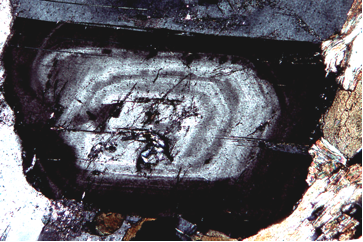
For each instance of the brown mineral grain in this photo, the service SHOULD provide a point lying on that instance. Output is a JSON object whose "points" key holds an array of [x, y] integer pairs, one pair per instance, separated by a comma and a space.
{"points": [[108, 223], [342, 125], [131, 232], [212, 235]]}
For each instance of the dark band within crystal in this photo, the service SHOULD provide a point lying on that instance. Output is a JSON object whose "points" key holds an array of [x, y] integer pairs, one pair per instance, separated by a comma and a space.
{"points": [[177, 130], [310, 21]]}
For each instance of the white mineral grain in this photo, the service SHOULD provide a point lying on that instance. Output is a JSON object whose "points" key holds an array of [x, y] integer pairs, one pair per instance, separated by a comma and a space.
{"points": [[21, 207]]}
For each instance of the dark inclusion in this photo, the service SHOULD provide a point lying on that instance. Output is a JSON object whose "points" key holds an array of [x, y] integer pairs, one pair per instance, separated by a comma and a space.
{"points": [[91, 115], [116, 110], [156, 145]]}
